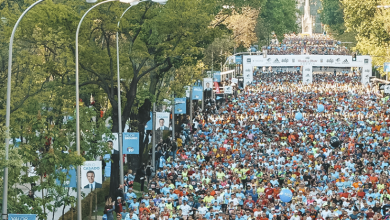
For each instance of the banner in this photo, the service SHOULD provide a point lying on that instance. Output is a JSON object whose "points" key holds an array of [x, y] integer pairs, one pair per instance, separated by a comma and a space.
{"points": [[107, 169], [112, 142], [91, 175], [162, 121], [228, 90], [307, 75], [217, 76], [131, 143], [180, 106], [239, 59], [149, 124], [22, 216], [235, 81], [387, 89], [70, 178], [216, 85], [208, 84], [197, 93], [386, 67]]}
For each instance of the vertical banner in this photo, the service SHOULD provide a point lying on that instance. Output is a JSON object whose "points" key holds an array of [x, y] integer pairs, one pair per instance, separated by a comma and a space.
{"points": [[217, 76], [238, 59], [180, 106], [22, 216], [149, 124], [70, 180], [367, 72], [228, 90], [307, 75], [208, 87], [197, 93], [216, 86], [112, 142], [386, 89], [162, 121], [386, 67], [91, 175], [131, 143]]}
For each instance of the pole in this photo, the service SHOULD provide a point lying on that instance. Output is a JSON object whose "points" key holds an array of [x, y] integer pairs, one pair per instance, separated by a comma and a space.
{"points": [[78, 109], [173, 120], [191, 106], [154, 137], [8, 111]]}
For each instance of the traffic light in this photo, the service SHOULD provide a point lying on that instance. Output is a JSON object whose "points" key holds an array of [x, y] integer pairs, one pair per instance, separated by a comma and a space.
{"points": [[354, 57]]}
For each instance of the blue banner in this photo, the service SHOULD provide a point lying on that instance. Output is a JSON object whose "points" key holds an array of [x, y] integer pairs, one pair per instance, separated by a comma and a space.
{"points": [[239, 59], [386, 67], [22, 216], [217, 76], [197, 93], [70, 178], [180, 106], [149, 124], [131, 143], [107, 169]]}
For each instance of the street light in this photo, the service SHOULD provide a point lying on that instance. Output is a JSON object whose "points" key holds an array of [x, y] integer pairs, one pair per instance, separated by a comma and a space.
{"points": [[132, 2], [8, 108]]}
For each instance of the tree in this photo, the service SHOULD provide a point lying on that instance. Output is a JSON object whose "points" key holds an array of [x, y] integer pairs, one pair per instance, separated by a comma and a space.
{"points": [[332, 14], [278, 16], [369, 23]]}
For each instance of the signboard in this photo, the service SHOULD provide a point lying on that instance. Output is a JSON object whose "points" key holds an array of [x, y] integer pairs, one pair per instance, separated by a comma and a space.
{"points": [[70, 180], [239, 59], [180, 106], [386, 67], [252, 61], [197, 93], [307, 75], [162, 121], [208, 84], [217, 76], [235, 80], [112, 142], [387, 89], [22, 216], [228, 90], [381, 86], [149, 124], [131, 143], [91, 175]]}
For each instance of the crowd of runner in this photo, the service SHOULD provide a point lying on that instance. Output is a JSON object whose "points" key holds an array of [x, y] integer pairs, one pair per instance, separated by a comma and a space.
{"points": [[317, 44], [240, 158]]}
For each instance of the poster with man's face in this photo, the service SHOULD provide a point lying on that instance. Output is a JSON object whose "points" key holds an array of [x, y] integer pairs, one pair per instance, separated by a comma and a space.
{"points": [[112, 142], [91, 175], [162, 121], [207, 84]]}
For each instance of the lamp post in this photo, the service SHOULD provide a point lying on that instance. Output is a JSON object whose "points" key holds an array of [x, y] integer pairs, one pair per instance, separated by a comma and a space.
{"points": [[77, 104], [8, 110], [120, 142]]}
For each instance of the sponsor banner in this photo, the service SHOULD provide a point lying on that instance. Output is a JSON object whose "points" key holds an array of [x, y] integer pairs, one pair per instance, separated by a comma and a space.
{"points": [[386, 67], [149, 124], [162, 121], [22, 216], [180, 106], [216, 86], [307, 75], [130, 143], [228, 90], [70, 180], [235, 80], [197, 93], [91, 175], [217, 76], [238, 59], [387, 89]]}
